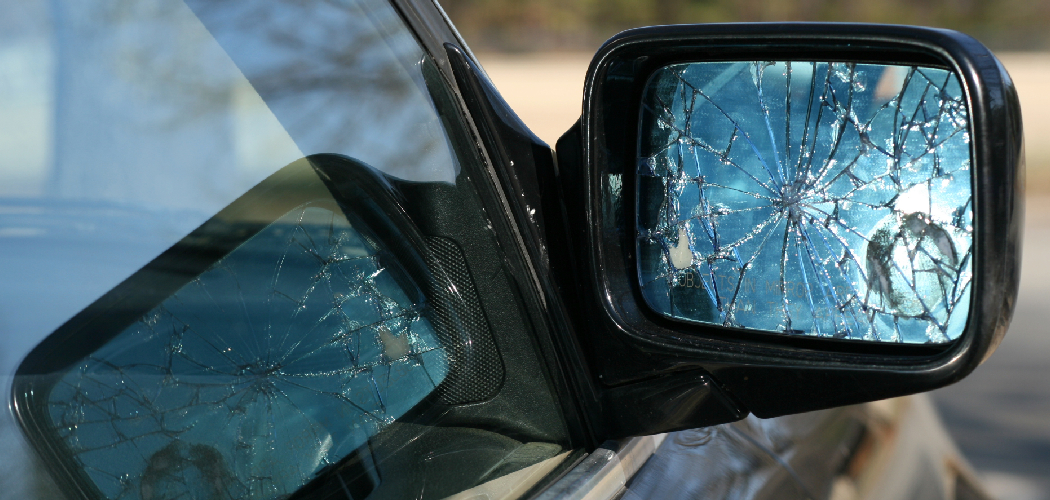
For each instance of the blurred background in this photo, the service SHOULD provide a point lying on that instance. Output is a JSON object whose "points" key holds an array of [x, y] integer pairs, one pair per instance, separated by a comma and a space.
{"points": [[535, 25], [537, 52]]}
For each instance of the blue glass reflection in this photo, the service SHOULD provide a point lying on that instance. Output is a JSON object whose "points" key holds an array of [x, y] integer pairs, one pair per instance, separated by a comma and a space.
{"points": [[281, 359], [824, 199]]}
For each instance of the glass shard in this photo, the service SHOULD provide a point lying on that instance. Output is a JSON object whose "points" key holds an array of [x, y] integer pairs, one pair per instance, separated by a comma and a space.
{"points": [[283, 357], [829, 199]]}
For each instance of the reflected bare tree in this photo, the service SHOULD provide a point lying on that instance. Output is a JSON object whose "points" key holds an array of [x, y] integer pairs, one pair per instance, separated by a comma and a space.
{"points": [[342, 77]]}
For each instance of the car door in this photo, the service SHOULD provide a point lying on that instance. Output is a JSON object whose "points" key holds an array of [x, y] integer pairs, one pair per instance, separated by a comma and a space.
{"points": [[849, 452]]}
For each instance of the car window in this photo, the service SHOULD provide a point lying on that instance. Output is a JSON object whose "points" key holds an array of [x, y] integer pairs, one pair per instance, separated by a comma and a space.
{"points": [[301, 352]]}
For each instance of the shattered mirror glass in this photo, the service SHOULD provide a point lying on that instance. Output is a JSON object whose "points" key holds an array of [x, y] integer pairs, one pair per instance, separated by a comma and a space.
{"points": [[280, 359], [829, 199]]}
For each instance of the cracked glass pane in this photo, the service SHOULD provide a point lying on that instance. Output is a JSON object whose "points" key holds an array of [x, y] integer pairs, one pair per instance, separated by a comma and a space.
{"points": [[829, 199], [282, 358]]}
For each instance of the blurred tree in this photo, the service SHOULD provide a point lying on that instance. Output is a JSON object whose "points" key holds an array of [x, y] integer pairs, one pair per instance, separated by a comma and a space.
{"points": [[527, 25]]}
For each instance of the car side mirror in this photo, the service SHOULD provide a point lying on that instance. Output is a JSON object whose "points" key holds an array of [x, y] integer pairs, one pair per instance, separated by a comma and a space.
{"points": [[776, 218]]}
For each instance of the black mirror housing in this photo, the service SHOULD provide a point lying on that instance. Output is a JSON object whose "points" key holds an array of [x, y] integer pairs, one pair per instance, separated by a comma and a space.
{"points": [[656, 373]]}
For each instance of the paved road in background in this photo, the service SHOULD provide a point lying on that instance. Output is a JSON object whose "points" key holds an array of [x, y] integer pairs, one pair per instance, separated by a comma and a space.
{"points": [[1000, 415]]}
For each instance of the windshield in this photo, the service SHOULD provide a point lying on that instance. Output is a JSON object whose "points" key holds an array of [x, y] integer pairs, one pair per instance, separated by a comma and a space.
{"points": [[126, 127]]}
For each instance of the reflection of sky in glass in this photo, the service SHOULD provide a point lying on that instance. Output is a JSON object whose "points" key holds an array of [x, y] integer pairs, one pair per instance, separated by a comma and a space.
{"points": [[281, 359], [25, 103], [807, 198]]}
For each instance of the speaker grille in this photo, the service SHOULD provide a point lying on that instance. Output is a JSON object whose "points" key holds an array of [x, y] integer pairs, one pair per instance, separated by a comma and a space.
{"points": [[475, 367]]}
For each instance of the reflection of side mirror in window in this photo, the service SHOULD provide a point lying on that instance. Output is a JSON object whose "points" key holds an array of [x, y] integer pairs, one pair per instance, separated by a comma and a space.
{"points": [[267, 345], [782, 218]]}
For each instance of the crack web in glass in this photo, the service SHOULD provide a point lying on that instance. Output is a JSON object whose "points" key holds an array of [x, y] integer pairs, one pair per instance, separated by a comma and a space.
{"points": [[283, 357], [824, 199]]}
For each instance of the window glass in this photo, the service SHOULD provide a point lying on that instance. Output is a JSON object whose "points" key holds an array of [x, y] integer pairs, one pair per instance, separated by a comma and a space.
{"points": [[129, 126]]}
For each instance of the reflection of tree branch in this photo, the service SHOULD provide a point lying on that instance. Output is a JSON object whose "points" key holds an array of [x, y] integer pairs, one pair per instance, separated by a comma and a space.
{"points": [[340, 77]]}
